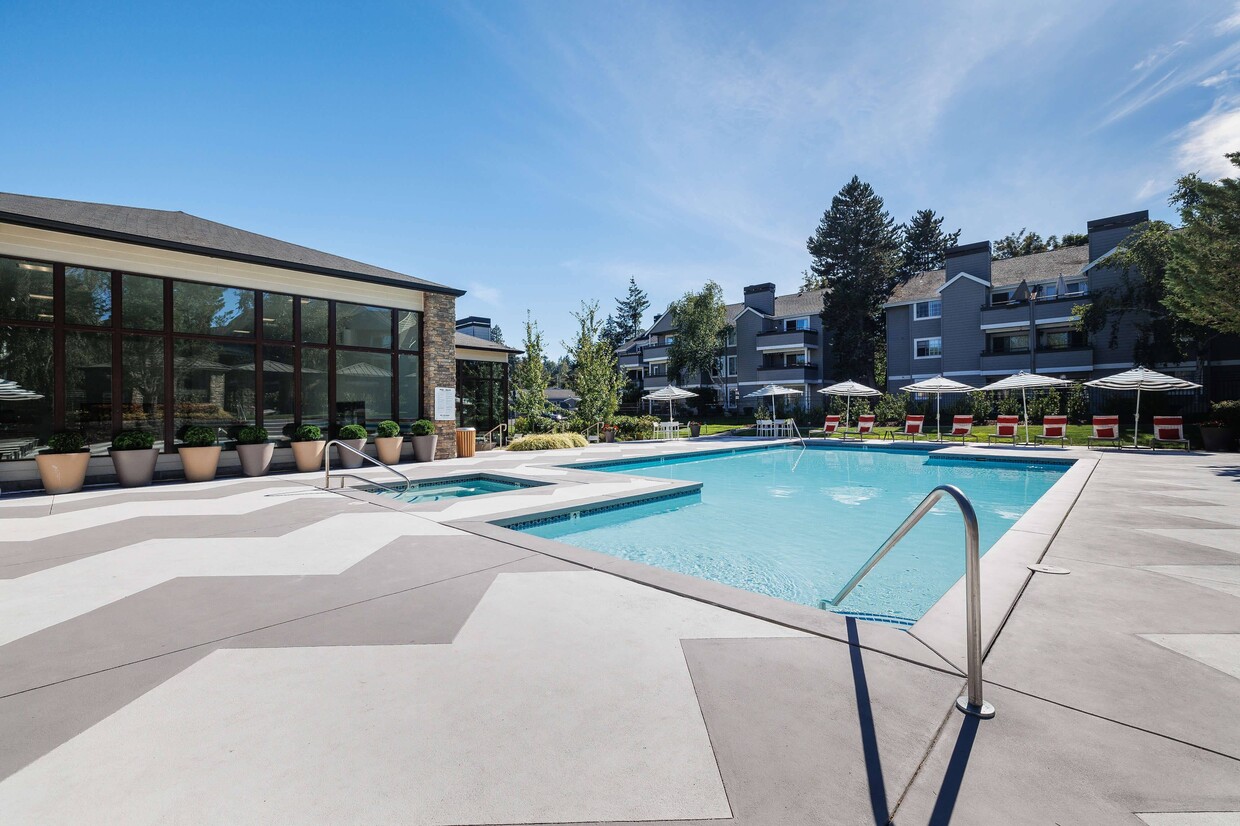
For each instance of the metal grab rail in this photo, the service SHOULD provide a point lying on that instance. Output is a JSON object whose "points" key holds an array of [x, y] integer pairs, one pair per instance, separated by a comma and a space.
{"points": [[972, 702], [327, 469], [501, 427], [797, 430], [597, 427]]}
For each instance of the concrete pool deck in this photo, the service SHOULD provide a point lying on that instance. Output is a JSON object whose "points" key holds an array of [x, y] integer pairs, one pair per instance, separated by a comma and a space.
{"points": [[257, 650]]}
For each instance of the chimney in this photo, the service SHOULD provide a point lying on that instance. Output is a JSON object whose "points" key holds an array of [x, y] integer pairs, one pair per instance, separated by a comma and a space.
{"points": [[476, 326], [971, 258], [1106, 233], [761, 297]]}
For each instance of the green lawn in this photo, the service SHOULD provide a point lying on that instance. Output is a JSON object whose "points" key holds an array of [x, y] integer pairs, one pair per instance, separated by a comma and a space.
{"points": [[1078, 434]]}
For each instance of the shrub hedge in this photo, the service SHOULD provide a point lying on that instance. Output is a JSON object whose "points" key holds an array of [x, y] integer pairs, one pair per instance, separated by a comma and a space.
{"points": [[549, 441]]}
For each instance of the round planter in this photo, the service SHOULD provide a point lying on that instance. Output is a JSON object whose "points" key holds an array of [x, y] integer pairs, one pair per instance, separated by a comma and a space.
{"points": [[424, 447], [609, 436], [134, 468], [1218, 439], [255, 459], [347, 458], [308, 455], [200, 463], [62, 472], [388, 448]]}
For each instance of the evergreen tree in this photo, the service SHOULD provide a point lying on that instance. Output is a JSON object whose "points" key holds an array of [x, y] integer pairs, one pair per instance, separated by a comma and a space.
{"points": [[531, 378], [630, 311], [497, 335], [855, 255], [611, 332], [924, 243], [701, 327], [597, 380]]}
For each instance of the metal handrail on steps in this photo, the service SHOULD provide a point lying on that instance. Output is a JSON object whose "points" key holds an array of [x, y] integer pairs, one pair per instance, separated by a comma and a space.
{"points": [[327, 466], [972, 702], [501, 427], [597, 427]]}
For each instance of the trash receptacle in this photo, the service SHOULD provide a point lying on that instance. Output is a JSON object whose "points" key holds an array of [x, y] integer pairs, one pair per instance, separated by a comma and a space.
{"points": [[465, 441]]}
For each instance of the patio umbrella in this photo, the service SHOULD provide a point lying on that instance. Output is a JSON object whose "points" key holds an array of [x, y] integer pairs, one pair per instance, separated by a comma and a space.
{"points": [[1141, 378], [773, 390], [848, 389], [1023, 381], [670, 394], [938, 386]]}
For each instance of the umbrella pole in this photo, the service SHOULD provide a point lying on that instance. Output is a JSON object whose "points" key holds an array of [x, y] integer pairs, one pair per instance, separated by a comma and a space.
{"points": [[847, 412], [938, 402], [1025, 406], [1136, 418]]}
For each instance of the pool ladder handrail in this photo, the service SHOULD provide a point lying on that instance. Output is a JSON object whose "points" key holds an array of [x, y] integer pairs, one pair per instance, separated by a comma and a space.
{"points": [[797, 430], [328, 476], [972, 702]]}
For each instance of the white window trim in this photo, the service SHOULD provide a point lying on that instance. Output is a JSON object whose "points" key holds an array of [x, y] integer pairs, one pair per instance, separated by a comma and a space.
{"points": [[928, 302], [917, 341]]}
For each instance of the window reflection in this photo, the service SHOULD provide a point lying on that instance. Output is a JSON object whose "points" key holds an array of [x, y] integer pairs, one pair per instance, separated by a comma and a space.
{"points": [[314, 321], [409, 329], [88, 388], [88, 296], [207, 309], [25, 290], [361, 326], [410, 387], [278, 396], [142, 301], [213, 385], [142, 383], [314, 386], [278, 316], [26, 389], [481, 392], [363, 387]]}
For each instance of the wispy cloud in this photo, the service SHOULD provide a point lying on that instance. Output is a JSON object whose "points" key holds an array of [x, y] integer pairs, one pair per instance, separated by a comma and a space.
{"points": [[1222, 78], [1230, 23], [490, 296], [1207, 139]]}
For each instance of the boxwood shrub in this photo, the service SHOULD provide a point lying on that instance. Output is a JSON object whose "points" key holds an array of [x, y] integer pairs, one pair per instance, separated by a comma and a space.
{"points": [[65, 443], [199, 436], [133, 440], [352, 431], [422, 427], [387, 429], [308, 433], [251, 434]]}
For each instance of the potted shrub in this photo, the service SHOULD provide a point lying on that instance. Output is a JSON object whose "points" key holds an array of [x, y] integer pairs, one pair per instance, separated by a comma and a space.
{"points": [[254, 450], [134, 455], [200, 453], [424, 440], [308, 446], [1219, 432], [695, 429], [609, 433], [353, 435], [388, 442], [62, 466]]}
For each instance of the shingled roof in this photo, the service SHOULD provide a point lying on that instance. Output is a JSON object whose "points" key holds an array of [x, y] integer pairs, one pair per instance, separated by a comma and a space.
{"points": [[464, 341], [806, 302], [1039, 266], [181, 232]]}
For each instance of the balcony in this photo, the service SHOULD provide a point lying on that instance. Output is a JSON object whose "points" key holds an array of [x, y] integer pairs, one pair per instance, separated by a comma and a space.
{"points": [[655, 352], [1048, 361], [629, 361], [787, 339], [1018, 314], [654, 382], [782, 375]]}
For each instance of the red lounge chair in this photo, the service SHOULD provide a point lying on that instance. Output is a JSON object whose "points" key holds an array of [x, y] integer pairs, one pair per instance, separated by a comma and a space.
{"points": [[1054, 429], [830, 425], [1169, 430], [865, 426], [1005, 430], [962, 428], [912, 428], [1106, 431]]}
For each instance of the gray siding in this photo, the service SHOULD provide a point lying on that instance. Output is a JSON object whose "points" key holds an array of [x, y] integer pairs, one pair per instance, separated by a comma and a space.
{"points": [[972, 258], [963, 340], [899, 344], [748, 325]]}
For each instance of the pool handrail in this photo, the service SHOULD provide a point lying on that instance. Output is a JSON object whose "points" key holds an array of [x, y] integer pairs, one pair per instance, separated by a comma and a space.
{"points": [[327, 469], [972, 702]]}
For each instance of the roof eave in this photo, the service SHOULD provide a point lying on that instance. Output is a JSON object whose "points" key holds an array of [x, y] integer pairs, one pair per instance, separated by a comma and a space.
{"points": [[210, 252]]}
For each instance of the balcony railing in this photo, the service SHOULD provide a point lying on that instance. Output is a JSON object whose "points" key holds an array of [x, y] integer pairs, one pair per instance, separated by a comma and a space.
{"points": [[1018, 313], [787, 338], [785, 373], [655, 352]]}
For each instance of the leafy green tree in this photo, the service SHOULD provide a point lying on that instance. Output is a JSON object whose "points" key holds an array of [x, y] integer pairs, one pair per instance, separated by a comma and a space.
{"points": [[701, 326], [530, 379], [1203, 270], [855, 255], [597, 380], [1016, 244], [924, 243], [630, 311]]}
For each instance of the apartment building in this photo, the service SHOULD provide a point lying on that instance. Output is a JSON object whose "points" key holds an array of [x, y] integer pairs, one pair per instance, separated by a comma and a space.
{"points": [[978, 320], [774, 339]]}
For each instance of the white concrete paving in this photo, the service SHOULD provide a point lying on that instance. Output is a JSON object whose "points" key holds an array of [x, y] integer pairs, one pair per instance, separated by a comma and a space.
{"points": [[1220, 651], [565, 698]]}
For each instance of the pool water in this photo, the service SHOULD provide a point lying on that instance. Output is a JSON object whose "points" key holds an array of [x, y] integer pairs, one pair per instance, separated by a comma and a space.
{"points": [[796, 523], [433, 491]]}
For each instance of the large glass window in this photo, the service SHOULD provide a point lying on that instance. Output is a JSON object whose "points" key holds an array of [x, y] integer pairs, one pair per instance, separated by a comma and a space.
{"points": [[314, 321], [27, 387], [409, 329], [279, 400], [361, 326], [928, 348], [410, 387], [363, 387], [1063, 339], [142, 383], [88, 387], [278, 316], [481, 389], [1009, 342], [88, 296], [213, 385], [25, 290], [314, 386], [208, 309], [142, 302]]}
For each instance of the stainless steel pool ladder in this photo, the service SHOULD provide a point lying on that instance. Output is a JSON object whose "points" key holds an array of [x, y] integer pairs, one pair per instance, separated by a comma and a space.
{"points": [[328, 475], [972, 702]]}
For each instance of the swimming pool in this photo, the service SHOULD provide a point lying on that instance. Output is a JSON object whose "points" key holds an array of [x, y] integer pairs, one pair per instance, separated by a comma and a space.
{"points": [[796, 523]]}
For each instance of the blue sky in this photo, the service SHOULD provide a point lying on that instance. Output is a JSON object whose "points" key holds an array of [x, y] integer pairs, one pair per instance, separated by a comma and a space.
{"points": [[539, 154]]}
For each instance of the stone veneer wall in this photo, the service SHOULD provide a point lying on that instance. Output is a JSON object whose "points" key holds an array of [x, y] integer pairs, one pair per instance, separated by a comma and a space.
{"points": [[439, 363]]}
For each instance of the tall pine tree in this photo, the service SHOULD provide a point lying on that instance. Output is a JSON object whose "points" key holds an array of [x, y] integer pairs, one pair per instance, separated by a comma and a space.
{"points": [[855, 255], [924, 243], [630, 311]]}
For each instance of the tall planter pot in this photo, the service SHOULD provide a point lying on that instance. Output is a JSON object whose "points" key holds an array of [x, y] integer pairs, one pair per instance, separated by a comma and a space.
{"points": [[1218, 439], [255, 459], [388, 448], [135, 468], [200, 463], [347, 458], [424, 447], [309, 455], [62, 472]]}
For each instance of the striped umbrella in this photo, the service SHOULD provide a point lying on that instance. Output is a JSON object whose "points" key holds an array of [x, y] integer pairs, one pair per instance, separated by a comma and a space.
{"points": [[1141, 378], [1023, 381]]}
